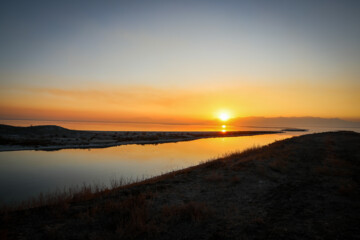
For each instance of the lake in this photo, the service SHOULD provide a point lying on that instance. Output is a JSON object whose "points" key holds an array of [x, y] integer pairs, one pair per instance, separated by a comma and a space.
{"points": [[25, 174]]}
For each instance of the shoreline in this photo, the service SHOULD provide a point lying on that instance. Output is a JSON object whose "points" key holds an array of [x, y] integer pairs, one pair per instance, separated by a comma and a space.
{"points": [[52, 138], [271, 192]]}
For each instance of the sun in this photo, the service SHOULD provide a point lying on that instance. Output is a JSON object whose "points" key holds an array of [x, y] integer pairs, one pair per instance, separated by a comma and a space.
{"points": [[224, 116]]}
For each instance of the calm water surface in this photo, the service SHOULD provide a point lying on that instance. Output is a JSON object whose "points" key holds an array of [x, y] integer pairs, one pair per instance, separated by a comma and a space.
{"points": [[25, 174]]}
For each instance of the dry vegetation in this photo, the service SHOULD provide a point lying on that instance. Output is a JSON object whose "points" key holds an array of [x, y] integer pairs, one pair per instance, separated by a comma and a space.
{"points": [[301, 188]]}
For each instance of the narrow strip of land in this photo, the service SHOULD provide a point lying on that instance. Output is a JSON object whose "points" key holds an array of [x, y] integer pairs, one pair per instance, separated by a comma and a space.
{"points": [[55, 137]]}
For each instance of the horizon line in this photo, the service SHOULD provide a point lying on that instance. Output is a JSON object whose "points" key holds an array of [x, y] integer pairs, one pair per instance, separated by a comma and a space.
{"points": [[203, 122]]}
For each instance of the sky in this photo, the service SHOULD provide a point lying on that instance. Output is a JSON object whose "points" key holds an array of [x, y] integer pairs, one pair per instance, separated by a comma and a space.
{"points": [[179, 61]]}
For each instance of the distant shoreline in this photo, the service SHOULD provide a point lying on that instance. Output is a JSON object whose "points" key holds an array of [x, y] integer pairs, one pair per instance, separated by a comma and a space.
{"points": [[50, 138], [7, 148]]}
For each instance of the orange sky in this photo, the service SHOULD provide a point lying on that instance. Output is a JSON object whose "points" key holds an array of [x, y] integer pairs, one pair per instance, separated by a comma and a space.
{"points": [[148, 104]]}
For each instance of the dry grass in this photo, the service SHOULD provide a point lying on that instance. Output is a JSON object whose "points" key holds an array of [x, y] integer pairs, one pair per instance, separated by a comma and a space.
{"points": [[240, 166], [261, 170], [61, 198], [336, 162], [348, 187], [133, 217], [235, 179], [188, 212], [258, 220], [327, 170], [278, 165], [214, 176], [232, 158], [84, 192]]}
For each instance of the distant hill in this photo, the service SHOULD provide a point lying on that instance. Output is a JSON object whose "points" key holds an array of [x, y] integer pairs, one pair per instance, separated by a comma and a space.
{"points": [[38, 130], [294, 122]]}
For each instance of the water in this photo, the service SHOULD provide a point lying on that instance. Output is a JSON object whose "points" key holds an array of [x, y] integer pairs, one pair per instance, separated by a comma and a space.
{"points": [[25, 174]]}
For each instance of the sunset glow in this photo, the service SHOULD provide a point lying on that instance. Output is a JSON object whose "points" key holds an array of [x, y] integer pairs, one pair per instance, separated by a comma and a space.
{"points": [[224, 117], [171, 63]]}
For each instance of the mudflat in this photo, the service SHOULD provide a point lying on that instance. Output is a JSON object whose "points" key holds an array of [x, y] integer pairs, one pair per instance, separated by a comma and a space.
{"points": [[54, 137]]}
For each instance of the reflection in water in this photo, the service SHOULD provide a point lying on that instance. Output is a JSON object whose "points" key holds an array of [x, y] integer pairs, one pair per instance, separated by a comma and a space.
{"points": [[25, 174]]}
